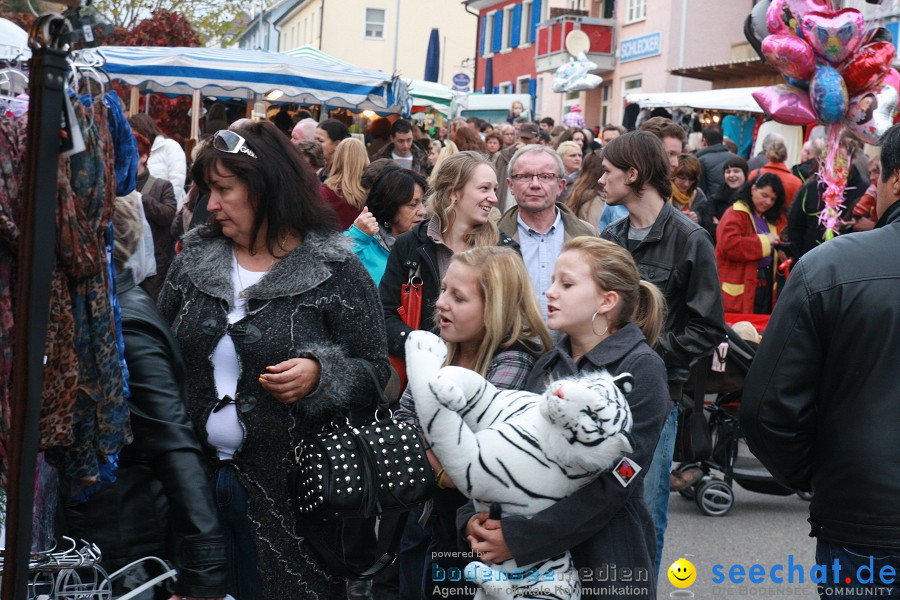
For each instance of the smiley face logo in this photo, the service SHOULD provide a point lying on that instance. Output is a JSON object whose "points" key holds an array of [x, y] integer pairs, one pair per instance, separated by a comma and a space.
{"points": [[682, 573]]}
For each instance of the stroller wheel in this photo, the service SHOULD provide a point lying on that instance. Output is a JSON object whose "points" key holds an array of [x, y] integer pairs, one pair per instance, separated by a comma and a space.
{"points": [[714, 498], [805, 496]]}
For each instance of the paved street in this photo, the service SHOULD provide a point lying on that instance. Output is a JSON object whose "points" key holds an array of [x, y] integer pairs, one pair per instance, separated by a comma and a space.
{"points": [[760, 529]]}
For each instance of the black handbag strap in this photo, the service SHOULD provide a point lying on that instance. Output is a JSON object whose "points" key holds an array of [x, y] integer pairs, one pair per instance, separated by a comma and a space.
{"points": [[383, 403], [336, 563]]}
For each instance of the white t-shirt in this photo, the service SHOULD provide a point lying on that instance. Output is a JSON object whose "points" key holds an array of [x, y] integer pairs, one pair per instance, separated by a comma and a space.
{"points": [[223, 429], [404, 161]]}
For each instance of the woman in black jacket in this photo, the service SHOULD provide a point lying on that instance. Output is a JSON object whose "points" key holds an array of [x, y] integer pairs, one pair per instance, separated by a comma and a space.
{"points": [[160, 504], [460, 205]]}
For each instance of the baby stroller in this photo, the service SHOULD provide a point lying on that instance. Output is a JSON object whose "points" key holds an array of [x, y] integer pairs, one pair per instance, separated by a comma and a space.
{"points": [[730, 457]]}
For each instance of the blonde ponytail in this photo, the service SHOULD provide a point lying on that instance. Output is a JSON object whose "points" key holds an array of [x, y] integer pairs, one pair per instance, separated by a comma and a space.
{"points": [[650, 314]]}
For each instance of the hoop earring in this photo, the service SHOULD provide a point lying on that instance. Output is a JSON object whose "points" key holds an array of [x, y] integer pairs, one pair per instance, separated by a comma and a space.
{"points": [[594, 331]]}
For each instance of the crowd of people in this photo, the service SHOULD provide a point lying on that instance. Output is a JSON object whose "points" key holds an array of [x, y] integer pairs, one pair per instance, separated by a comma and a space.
{"points": [[541, 250]]}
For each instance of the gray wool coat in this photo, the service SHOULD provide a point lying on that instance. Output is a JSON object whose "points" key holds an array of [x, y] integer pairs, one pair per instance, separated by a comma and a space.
{"points": [[318, 302]]}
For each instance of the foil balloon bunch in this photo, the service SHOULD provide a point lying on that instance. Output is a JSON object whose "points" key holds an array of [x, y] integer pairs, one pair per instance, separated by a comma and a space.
{"points": [[838, 73], [576, 76]]}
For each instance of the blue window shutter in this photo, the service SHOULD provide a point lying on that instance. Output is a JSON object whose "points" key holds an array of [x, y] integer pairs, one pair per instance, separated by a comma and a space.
{"points": [[532, 91], [496, 89], [483, 31], [535, 18], [516, 25], [498, 32]]}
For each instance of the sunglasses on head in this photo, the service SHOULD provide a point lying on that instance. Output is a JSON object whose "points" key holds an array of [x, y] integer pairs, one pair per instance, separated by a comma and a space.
{"points": [[228, 141]]}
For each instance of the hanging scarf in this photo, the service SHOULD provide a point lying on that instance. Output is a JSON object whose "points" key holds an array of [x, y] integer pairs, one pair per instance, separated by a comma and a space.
{"points": [[680, 200]]}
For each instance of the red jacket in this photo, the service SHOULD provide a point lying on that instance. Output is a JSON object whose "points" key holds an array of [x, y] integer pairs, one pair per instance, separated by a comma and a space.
{"points": [[346, 214], [738, 248]]}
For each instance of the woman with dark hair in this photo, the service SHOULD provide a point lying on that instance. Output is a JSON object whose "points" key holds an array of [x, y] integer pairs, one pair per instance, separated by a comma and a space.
{"points": [[573, 134], [394, 206], [167, 159], [275, 316], [330, 133], [748, 236], [776, 156], [734, 171]]}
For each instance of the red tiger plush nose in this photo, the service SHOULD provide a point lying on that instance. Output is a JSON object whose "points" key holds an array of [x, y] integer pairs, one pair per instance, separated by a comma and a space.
{"points": [[559, 393]]}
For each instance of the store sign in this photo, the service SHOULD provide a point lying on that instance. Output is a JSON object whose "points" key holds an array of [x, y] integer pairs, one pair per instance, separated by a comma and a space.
{"points": [[461, 80], [637, 48]]}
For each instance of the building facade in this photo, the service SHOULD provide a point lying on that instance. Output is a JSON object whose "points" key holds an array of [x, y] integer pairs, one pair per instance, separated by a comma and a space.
{"points": [[635, 44], [364, 33], [261, 32]]}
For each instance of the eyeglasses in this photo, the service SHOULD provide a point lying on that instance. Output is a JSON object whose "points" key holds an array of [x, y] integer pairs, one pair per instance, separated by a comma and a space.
{"points": [[228, 141], [527, 177]]}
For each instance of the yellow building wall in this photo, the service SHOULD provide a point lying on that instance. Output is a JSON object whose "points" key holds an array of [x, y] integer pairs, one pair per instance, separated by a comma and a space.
{"points": [[343, 34]]}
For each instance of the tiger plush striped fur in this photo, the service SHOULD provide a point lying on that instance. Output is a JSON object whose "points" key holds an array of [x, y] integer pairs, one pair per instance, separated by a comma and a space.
{"points": [[519, 450]]}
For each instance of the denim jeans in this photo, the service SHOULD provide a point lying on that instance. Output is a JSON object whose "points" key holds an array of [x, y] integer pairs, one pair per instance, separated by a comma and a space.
{"points": [[864, 568], [411, 557], [243, 580], [656, 482]]}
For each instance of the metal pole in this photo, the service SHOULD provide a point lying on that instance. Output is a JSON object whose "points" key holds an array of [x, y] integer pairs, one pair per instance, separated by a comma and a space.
{"points": [[48, 70], [684, 13], [396, 34]]}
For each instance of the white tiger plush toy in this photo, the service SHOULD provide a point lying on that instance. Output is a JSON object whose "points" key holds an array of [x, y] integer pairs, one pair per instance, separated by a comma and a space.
{"points": [[520, 450]]}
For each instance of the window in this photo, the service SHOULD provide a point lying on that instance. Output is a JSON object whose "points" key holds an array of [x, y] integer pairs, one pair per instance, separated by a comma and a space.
{"points": [[489, 33], [375, 23], [315, 17], [636, 11], [604, 106], [525, 34], [608, 9], [578, 4], [507, 27], [505, 88], [522, 84], [632, 84]]}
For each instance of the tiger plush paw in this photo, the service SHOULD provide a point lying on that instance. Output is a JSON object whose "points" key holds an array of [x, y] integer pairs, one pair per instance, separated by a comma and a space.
{"points": [[425, 354], [448, 393]]}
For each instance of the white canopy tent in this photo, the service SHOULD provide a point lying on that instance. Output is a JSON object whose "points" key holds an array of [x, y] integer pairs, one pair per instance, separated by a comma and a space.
{"points": [[733, 99], [432, 95], [423, 93]]}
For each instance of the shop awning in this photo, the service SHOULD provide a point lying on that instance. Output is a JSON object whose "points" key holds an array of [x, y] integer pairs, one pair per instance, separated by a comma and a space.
{"points": [[229, 72], [733, 100], [433, 95]]}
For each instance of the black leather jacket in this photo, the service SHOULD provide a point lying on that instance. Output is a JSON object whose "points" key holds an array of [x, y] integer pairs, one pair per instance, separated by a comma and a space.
{"points": [[821, 407], [414, 250], [161, 504], [678, 256]]}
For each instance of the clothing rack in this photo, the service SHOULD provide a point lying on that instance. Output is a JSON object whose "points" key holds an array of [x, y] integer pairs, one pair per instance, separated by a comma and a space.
{"points": [[50, 39]]}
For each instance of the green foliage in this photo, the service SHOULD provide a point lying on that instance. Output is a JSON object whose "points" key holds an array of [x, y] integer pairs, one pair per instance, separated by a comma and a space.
{"points": [[213, 20]]}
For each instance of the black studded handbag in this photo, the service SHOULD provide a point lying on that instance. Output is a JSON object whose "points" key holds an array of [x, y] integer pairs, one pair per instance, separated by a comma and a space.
{"points": [[349, 472]]}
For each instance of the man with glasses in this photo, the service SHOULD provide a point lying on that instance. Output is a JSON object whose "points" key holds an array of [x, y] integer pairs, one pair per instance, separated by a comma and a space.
{"points": [[538, 222]]}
